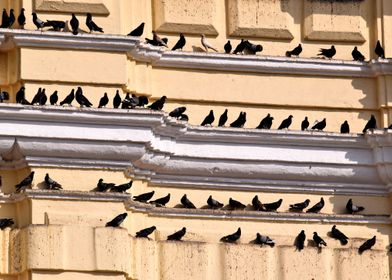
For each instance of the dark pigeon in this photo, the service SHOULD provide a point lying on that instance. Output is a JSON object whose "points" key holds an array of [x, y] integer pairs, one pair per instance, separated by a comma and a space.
{"points": [[352, 208], [177, 235], [328, 53], [20, 97], [144, 197], [5, 20], [367, 245], [143, 100], [43, 99], [4, 96], [122, 188], [274, 206], [69, 98], [158, 104], [26, 182], [357, 56], [74, 24], [256, 203], [318, 240], [300, 240], [57, 25], [37, 97], [264, 240], [345, 128], [187, 203], [223, 118], [214, 204], [155, 43], [161, 201], [266, 122], [317, 207], [379, 50], [180, 43], [51, 184], [11, 18], [91, 24], [228, 47], [103, 101], [232, 238], [295, 52], [4, 223], [371, 124], [252, 48], [320, 125], [209, 119], [234, 204], [38, 23], [81, 99], [240, 47], [117, 221], [22, 18], [117, 100], [299, 206], [305, 124], [144, 233], [138, 31], [240, 121], [337, 234], [157, 39], [176, 113], [286, 123], [103, 187], [54, 98]]}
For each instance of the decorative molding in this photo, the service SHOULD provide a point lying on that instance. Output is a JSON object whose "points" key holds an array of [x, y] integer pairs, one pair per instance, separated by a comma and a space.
{"points": [[65, 6]]}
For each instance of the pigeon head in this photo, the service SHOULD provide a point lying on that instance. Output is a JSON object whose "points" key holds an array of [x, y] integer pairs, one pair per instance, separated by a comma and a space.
{"points": [[259, 48], [307, 201], [334, 226], [184, 229], [239, 230], [100, 180], [22, 9], [163, 98], [322, 199], [124, 215], [33, 14], [154, 227], [12, 10], [314, 233], [203, 36], [302, 231], [89, 16], [333, 47]]}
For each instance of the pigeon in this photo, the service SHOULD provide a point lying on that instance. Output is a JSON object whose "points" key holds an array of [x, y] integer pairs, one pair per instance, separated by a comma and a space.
{"points": [[138, 31], [20, 97], [144, 197], [4, 96], [103, 187], [122, 188], [74, 24], [223, 118], [240, 47], [4, 223], [43, 99], [103, 101], [272, 206], [232, 238], [252, 48], [228, 47], [357, 56], [180, 43], [187, 203], [129, 102], [320, 125], [143, 100], [157, 39], [162, 43], [54, 98], [256, 203], [116, 222], [371, 124], [234, 204], [81, 99], [144, 233], [57, 25], [38, 23], [317, 207], [11, 18], [209, 119], [329, 53], [161, 201], [37, 97], [117, 100], [206, 44], [22, 18], [69, 98], [295, 52], [300, 240], [318, 240], [51, 184], [5, 20], [390, 127], [184, 118], [337, 234], [305, 124], [176, 113], [177, 235], [379, 50], [26, 182], [367, 245], [266, 122], [263, 239], [352, 208], [299, 206], [240, 121], [345, 128], [286, 123], [158, 104], [91, 24], [214, 204]]}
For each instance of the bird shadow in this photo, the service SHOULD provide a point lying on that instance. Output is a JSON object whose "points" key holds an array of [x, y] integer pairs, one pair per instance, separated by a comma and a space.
{"points": [[198, 49], [179, 206], [42, 186]]}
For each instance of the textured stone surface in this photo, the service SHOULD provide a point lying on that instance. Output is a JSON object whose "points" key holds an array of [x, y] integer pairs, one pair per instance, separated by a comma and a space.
{"points": [[95, 7]]}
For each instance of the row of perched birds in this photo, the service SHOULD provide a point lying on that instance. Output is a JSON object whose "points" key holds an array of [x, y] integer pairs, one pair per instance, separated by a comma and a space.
{"points": [[244, 47]]}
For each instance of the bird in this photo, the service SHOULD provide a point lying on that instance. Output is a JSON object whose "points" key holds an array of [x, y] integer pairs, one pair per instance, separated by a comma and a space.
{"points": [[345, 128], [177, 235], [143, 100], [256, 203], [22, 18], [11, 18], [320, 125], [234, 204], [296, 51], [184, 118], [180, 43], [20, 96], [357, 56], [54, 98], [4, 96], [240, 47], [4, 223], [337, 234], [122, 188], [299, 206], [318, 240], [252, 48], [81, 99], [232, 238], [300, 240], [371, 124], [187, 203], [329, 53], [26, 182], [272, 206], [91, 24], [305, 124], [69, 98], [157, 39], [286, 123], [158, 104], [161, 201], [263, 239], [5, 20], [228, 47], [240, 121], [103, 187], [37, 97], [206, 44], [176, 113], [317, 207], [74, 24], [117, 221], [266, 122], [103, 101], [161, 43], [138, 31], [352, 208], [117, 100], [144, 233], [209, 119], [57, 25], [214, 204], [37, 22], [367, 245], [43, 99], [223, 118], [379, 50], [51, 184], [390, 127], [144, 196]]}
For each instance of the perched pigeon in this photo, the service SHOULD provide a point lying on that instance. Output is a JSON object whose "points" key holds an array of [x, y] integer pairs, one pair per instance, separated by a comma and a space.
{"points": [[57, 25], [143, 100], [158, 104], [266, 122], [328, 53], [263, 239], [180, 43], [252, 48], [214, 204], [37, 97], [256, 203], [176, 113], [157, 39], [144, 197], [20, 97], [223, 118], [69, 98], [11, 18], [161, 43], [91, 24], [317, 207], [209, 119], [161, 201], [144, 233], [38, 23], [337, 234], [117, 100], [295, 52], [122, 188], [103, 187], [352, 208], [43, 99], [305, 124], [286, 123], [240, 121], [4, 96], [320, 125], [300, 240], [232, 238], [5, 20], [240, 47], [234, 204], [299, 206], [4, 223], [367, 245], [206, 44], [345, 128], [177, 235], [228, 47], [81, 99], [138, 31], [103, 101], [54, 98], [357, 56], [187, 203], [371, 124], [318, 240], [116, 222], [272, 206], [74, 24], [26, 182], [51, 184], [379, 50], [22, 18]]}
